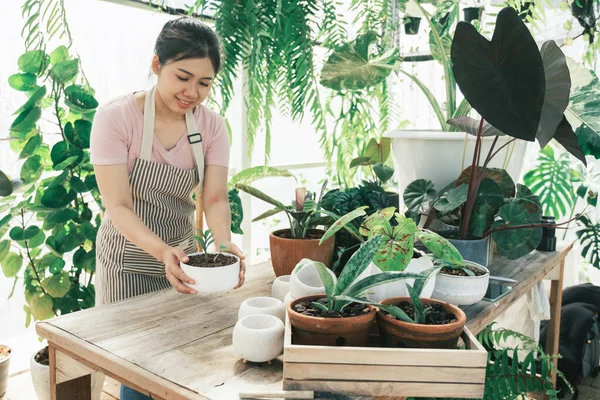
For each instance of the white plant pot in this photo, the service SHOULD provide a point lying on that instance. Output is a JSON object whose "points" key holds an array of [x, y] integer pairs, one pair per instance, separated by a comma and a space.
{"points": [[262, 305], [437, 156], [462, 290], [40, 375], [218, 279], [281, 287], [306, 281], [288, 299], [415, 266], [376, 293], [258, 338]]}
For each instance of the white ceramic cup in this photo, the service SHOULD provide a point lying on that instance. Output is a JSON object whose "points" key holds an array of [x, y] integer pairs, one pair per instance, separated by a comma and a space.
{"points": [[218, 279], [281, 287], [258, 337], [262, 305], [288, 299], [306, 280]]}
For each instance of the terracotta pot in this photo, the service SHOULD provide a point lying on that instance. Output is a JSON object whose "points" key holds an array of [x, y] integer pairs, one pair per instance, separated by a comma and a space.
{"points": [[286, 253], [403, 334], [350, 331]]}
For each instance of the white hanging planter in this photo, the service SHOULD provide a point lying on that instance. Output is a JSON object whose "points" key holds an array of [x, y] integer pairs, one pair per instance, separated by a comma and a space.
{"points": [[258, 338], [262, 305], [281, 287], [216, 279], [438, 156]]}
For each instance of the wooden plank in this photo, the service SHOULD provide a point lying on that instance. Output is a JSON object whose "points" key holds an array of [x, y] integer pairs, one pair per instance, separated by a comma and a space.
{"points": [[553, 328], [68, 368], [76, 389], [351, 372], [527, 271], [429, 389]]}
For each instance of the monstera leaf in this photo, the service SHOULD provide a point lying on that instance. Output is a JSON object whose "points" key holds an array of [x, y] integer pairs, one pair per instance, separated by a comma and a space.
{"points": [[352, 67], [589, 236], [503, 79]]}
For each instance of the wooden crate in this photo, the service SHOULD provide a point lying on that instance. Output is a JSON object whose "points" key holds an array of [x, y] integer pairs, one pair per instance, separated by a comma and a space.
{"points": [[379, 371]]}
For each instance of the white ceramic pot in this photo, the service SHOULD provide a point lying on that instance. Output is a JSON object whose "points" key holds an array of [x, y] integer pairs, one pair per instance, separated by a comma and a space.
{"points": [[415, 266], [4, 365], [218, 279], [438, 156], [376, 293], [288, 299], [462, 290], [306, 280], [281, 287], [258, 338], [40, 375], [262, 305]]}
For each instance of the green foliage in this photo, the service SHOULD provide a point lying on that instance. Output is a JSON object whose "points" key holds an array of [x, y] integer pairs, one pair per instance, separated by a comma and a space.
{"points": [[589, 236], [204, 239], [51, 219]]}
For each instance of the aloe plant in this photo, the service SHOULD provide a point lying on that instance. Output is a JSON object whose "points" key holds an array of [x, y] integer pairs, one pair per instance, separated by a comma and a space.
{"points": [[346, 290], [397, 246]]}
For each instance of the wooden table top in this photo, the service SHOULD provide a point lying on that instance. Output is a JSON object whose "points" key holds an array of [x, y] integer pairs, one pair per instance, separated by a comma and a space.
{"points": [[181, 344]]}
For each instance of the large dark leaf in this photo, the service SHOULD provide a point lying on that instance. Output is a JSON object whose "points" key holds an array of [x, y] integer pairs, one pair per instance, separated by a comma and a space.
{"points": [[498, 175], [57, 197], [6, 187], [80, 99], [503, 79], [383, 172], [79, 135], [452, 199], [352, 67], [471, 126], [489, 193], [513, 215], [558, 86], [419, 195], [567, 138]]}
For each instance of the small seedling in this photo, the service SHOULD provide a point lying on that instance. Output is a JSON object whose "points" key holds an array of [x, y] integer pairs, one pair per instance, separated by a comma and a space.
{"points": [[205, 239]]}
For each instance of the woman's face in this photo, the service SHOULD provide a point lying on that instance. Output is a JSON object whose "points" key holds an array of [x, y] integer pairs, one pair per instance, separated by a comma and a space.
{"points": [[183, 84]]}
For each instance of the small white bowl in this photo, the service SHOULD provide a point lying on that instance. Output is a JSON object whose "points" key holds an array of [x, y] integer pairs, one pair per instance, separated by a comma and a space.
{"points": [[462, 290], [281, 287], [288, 299], [262, 305], [306, 281], [218, 279], [258, 338]]}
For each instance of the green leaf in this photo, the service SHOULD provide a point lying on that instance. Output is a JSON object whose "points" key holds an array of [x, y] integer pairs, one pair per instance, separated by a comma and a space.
{"points": [[352, 67], [89, 231], [589, 237], [79, 135], [319, 306], [342, 222], [66, 71], [237, 211], [32, 169], [79, 99], [500, 176], [568, 139], [259, 195], [441, 248], [362, 286], [26, 120], [377, 223], [357, 264], [326, 278], [395, 311], [6, 187], [250, 175], [511, 215], [54, 264], [360, 161], [584, 113], [4, 249], [57, 285], [86, 260], [378, 152], [19, 234], [62, 152], [471, 126], [383, 172], [33, 101], [59, 54], [66, 163], [57, 197], [394, 254], [62, 216], [503, 81], [481, 220], [417, 305], [589, 140], [90, 182], [34, 62], [11, 265], [490, 193], [31, 147], [41, 306], [452, 199], [419, 195], [22, 82]]}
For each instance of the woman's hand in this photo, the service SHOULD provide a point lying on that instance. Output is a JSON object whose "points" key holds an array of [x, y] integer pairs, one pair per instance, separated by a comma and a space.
{"points": [[171, 257], [233, 249]]}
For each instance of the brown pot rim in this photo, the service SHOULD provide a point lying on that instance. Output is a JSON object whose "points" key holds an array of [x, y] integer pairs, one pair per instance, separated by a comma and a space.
{"points": [[274, 234], [291, 311], [462, 317]]}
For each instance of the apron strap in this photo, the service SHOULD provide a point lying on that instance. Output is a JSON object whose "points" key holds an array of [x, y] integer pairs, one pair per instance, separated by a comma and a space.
{"points": [[148, 132], [195, 140]]}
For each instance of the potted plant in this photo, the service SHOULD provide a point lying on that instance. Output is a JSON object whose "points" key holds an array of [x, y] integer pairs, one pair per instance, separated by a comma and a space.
{"points": [[460, 285], [211, 272], [343, 316], [5, 353], [397, 249], [301, 240]]}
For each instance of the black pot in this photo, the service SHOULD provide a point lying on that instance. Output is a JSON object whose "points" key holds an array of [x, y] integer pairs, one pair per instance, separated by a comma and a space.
{"points": [[548, 242], [411, 25], [472, 13]]}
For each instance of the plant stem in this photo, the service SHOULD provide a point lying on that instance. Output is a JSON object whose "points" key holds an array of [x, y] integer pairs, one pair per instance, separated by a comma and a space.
{"points": [[474, 182], [557, 226], [489, 158]]}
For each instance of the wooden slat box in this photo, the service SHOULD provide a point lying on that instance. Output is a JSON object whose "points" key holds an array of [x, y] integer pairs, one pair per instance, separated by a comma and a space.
{"points": [[380, 371]]}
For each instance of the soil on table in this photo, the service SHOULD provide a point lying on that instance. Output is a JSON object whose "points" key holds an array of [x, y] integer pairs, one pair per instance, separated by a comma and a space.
{"points": [[309, 235], [351, 310], [43, 357], [461, 272], [435, 313], [4, 352], [211, 260]]}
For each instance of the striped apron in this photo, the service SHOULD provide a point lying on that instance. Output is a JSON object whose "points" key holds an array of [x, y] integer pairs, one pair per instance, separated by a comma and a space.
{"points": [[162, 198]]}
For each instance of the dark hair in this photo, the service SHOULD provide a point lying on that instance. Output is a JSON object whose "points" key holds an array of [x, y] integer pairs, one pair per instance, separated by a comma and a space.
{"points": [[186, 37]]}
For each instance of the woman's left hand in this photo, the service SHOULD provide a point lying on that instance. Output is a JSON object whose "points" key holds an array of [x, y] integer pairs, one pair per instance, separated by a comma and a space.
{"points": [[233, 249]]}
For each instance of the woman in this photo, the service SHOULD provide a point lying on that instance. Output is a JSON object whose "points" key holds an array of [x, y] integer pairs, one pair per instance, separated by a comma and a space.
{"points": [[150, 151]]}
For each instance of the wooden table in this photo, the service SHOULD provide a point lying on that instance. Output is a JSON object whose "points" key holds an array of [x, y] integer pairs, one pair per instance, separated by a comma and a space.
{"points": [[176, 346]]}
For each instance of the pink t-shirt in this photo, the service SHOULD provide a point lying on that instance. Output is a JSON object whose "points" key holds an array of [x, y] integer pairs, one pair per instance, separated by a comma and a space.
{"points": [[116, 137]]}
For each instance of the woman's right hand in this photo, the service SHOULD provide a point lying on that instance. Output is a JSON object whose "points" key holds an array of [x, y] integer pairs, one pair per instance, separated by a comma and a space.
{"points": [[171, 257]]}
